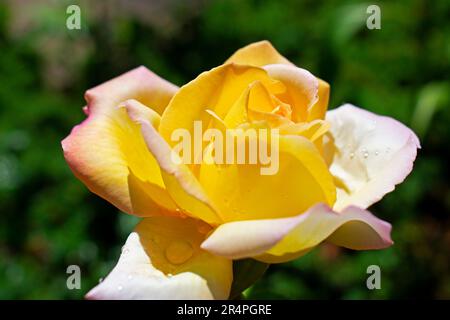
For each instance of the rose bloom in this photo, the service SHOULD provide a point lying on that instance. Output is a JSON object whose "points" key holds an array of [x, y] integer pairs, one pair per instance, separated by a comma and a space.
{"points": [[198, 218]]}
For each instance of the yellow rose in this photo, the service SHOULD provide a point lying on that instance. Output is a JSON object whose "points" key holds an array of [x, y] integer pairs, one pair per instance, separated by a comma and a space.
{"points": [[198, 217]]}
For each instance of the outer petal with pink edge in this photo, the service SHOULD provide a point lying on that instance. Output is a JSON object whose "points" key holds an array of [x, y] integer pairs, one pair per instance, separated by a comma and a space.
{"points": [[107, 151], [369, 155], [162, 259], [280, 240]]}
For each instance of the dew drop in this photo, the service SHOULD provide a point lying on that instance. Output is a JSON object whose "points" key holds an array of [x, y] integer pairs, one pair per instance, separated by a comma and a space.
{"points": [[100, 280], [352, 155], [377, 153], [203, 228], [130, 277], [119, 288], [365, 152], [170, 275], [179, 252]]}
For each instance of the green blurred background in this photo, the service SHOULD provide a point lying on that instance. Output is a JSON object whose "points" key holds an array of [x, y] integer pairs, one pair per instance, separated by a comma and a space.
{"points": [[49, 220]]}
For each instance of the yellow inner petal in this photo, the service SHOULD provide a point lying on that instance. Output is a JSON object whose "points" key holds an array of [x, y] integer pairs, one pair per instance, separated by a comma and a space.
{"points": [[240, 191]]}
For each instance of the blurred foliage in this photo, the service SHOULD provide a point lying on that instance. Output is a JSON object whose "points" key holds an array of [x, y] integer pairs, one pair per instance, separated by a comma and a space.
{"points": [[49, 220]]}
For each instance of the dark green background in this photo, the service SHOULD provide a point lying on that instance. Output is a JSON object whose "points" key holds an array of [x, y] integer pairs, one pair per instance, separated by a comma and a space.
{"points": [[49, 220]]}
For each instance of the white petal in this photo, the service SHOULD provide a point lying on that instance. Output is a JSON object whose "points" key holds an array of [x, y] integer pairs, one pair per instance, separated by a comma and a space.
{"points": [[145, 272], [371, 154]]}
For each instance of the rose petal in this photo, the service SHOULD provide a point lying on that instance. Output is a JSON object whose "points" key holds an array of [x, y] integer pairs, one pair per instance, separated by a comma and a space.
{"points": [[257, 54], [371, 155], [182, 185], [262, 53], [162, 260], [319, 109], [140, 84], [255, 104], [296, 181], [214, 90], [301, 89], [107, 151], [280, 240]]}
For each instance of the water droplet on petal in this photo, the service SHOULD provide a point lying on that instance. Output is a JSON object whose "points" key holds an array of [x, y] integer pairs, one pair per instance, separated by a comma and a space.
{"points": [[203, 228], [100, 280], [352, 155], [170, 275], [119, 288], [364, 152], [130, 277], [377, 153], [179, 252]]}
